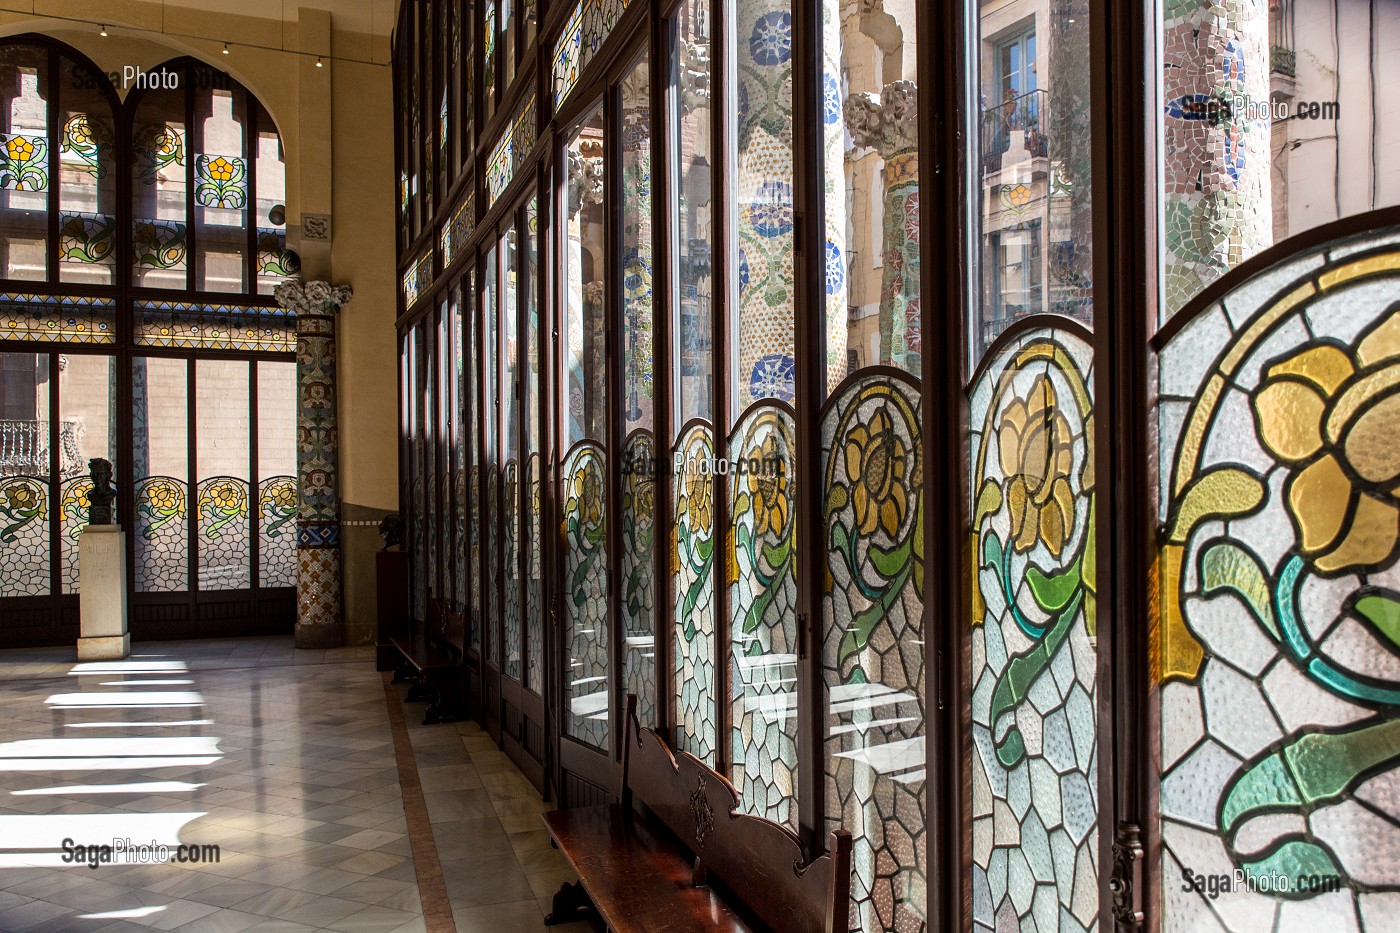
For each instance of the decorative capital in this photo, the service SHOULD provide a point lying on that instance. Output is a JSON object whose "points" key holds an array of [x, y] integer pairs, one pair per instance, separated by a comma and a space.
{"points": [[586, 174], [315, 297], [888, 123], [694, 74]]}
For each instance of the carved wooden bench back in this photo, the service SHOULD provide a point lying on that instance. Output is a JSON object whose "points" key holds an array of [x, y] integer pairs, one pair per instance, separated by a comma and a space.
{"points": [[758, 860]]}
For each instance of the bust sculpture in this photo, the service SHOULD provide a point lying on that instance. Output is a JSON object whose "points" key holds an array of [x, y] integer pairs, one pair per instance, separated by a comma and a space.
{"points": [[102, 494], [391, 530]]}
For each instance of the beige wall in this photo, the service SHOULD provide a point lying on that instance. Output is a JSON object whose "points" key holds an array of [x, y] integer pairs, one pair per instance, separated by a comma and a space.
{"points": [[337, 130]]}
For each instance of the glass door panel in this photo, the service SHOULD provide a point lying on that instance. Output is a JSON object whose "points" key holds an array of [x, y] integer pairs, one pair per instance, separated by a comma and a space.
{"points": [[584, 475], [638, 505], [161, 473]]}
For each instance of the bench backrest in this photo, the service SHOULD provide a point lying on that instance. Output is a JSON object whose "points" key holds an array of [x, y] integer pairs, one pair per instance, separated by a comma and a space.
{"points": [[445, 627], [760, 861], [455, 628]]}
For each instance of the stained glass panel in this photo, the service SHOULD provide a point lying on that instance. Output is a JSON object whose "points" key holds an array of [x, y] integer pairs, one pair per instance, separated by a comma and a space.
{"points": [[277, 536], [25, 81], [693, 582], [277, 481], [585, 594], [1032, 678], [274, 259], [86, 238], [491, 450], [417, 279], [1277, 680], [24, 161], [873, 645], [87, 428], [24, 535], [461, 437], [585, 32], [432, 517], [763, 615], [510, 445], [158, 191], [190, 325], [510, 570], [534, 439], [222, 453], [417, 470], [87, 180], [512, 148], [456, 232], [160, 446], [73, 319], [638, 572]]}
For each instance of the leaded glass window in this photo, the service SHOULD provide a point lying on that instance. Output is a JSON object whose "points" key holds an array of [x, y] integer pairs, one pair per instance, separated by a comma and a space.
{"points": [[1277, 679]]}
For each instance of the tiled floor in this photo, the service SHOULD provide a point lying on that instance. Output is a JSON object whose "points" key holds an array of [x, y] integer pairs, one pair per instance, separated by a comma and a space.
{"points": [[282, 758]]}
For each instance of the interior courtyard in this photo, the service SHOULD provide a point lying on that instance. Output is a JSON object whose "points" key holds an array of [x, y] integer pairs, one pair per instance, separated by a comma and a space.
{"points": [[814, 466]]}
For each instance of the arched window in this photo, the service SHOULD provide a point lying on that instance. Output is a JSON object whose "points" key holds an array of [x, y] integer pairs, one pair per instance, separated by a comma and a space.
{"points": [[206, 173], [140, 242]]}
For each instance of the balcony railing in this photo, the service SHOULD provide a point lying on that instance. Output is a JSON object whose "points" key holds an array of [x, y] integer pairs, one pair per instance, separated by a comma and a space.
{"points": [[993, 329], [1016, 130], [24, 448]]}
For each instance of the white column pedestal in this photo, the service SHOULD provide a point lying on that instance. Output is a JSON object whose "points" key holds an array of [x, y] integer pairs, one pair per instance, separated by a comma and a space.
{"points": [[102, 594]]}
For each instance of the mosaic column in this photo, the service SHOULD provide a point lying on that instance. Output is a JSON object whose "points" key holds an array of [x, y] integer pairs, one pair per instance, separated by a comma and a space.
{"points": [[1217, 160], [319, 621], [889, 125]]}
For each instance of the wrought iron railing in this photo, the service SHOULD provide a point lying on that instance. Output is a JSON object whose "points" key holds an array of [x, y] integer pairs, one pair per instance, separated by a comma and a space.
{"points": [[993, 329], [24, 448], [1016, 129]]}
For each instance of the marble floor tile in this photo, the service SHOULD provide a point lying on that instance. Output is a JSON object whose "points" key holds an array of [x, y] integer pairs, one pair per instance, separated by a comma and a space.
{"points": [[302, 797]]}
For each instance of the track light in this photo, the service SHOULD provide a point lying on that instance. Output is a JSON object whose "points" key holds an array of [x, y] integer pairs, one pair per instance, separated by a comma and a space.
{"points": [[103, 33], [225, 48]]}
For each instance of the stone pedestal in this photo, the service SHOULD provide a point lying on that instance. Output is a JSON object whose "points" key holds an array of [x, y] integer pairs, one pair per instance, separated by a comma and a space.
{"points": [[102, 594]]}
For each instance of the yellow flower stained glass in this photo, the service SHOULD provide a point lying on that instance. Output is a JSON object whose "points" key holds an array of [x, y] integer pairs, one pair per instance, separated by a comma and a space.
{"points": [[1037, 450], [1335, 420]]}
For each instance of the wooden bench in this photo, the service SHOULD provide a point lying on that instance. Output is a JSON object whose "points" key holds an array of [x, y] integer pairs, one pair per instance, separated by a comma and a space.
{"points": [[689, 860], [432, 662]]}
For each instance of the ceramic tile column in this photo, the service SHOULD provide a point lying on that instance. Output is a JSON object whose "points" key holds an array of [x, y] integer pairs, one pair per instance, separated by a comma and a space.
{"points": [[319, 618], [889, 124], [1217, 161]]}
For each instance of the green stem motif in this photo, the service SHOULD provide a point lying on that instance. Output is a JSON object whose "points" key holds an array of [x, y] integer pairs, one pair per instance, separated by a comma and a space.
{"points": [[779, 557], [1021, 673], [894, 566], [1313, 768], [1060, 595]]}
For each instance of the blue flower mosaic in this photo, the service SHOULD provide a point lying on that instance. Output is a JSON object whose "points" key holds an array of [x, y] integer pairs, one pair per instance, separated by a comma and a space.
{"points": [[835, 268], [743, 271], [771, 41], [772, 377], [831, 101], [771, 210]]}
